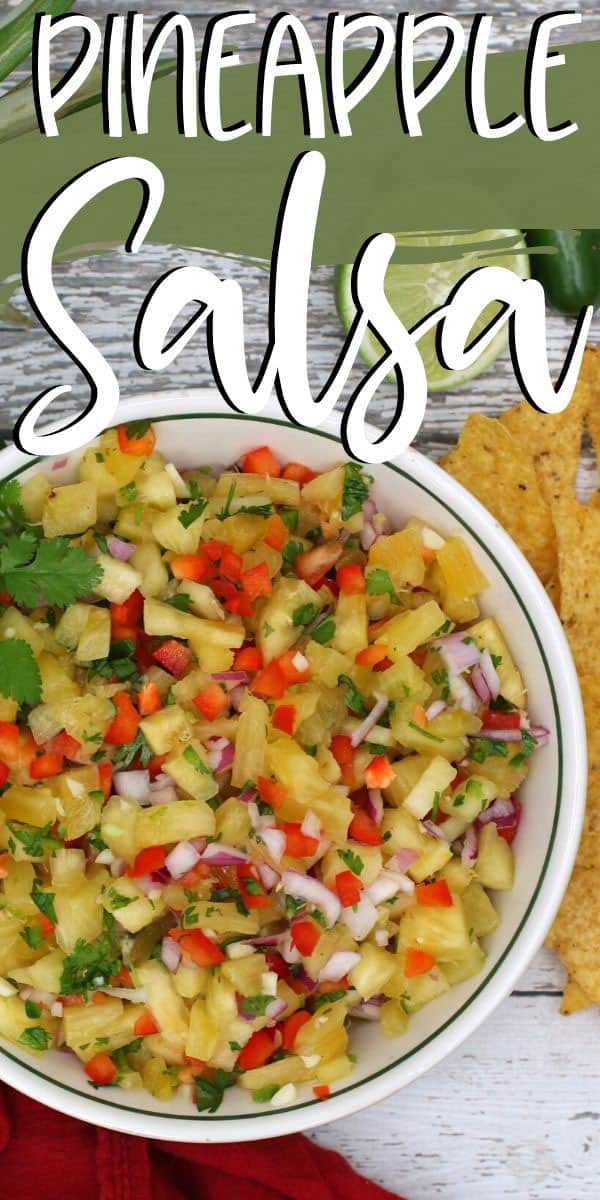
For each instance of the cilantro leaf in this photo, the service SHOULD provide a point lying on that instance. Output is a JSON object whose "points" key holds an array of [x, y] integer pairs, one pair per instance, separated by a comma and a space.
{"points": [[290, 552], [324, 631], [32, 936], [187, 516], [44, 901], [289, 516], [125, 755], [355, 702], [304, 614], [327, 998], [52, 568], [12, 514], [264, 1094], [483, 748], [34, 841], [195, 761], [355, 490], [35, 1038], [353, 861], [33, 1011], [209, 1092], [117, 900], [379, 583], [91, 965], [137, 429], [19, 673], [181, 602], [255, 1006]]}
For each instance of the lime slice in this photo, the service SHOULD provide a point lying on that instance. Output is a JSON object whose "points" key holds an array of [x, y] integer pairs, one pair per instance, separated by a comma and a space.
{"points": [[415, 288]]}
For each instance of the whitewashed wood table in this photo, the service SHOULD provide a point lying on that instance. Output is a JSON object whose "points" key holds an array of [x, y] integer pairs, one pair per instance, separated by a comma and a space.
{"points": [[516, 1111]]}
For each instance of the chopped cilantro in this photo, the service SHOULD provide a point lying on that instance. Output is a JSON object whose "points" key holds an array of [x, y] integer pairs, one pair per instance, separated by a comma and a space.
{"points": [[34, 841], [125, 755], [193, 758], [355, 702], [483, 748], [264, 1094], [304, 614], [181, 601], [91, 964], [33, 1011], [209, 1091], [289, 516], [129, 492], [137, 429], [435, 808], [426, 732], [255, 1006], [290, 552], [327, 998], [324, 631], [19, 673], [187, 516], [32, 936], [44, 901], [35, 1038], [117, 900], [379, 583], [355, 490], [353, 861]]}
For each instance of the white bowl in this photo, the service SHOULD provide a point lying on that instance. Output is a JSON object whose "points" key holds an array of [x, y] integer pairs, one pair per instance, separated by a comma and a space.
{"points": [[192, 429]]}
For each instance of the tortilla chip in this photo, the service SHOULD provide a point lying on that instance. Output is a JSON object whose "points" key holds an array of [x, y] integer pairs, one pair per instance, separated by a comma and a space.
{"points": [[574, 998], [575, 934], [590, 695], [499, 471], [553, 591], [555, 439], [578, 539], [594, 501], [592, 366]]}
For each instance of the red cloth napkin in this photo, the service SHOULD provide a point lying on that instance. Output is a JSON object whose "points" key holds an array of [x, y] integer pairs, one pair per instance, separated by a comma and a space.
{"points": [[47, 1156]]}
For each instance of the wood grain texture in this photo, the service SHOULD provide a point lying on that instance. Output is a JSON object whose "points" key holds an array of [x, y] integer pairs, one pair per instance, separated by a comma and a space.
{"points": [[516, 1111]]}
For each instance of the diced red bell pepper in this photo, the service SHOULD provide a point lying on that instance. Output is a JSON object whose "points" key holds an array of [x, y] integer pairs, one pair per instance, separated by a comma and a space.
{"points": [[174, 656], [124, 727], [418, 657], [190, 566], [500, 720], [291, 1027], [134, 441], [270, 682], [45, 924], [144, 652], [508, 829], [213, 549], [231, 563], [43, 766], [434, 895], [249, 658], [4, 773], [9, 742], [294, 666], [417, 962], [258, 1050], [379, 773], [261, 461], [202, 870], [65, 745], [155, 764], [240, 604], [252, 890], [342, 749], [276, 532], [211, 701], [129, 612], [148, 699], [105, 778], [298, 472], [371, 655], [145, 1025], [256, 581], [270, 792], [322, 1091], [312, 565], [350, 579], [148, 860], [298, 844], [363, 829], [4, 865], [201, 949], [305, 934], [101, 1069], [123, 978], [284, 718], [348, 888]]}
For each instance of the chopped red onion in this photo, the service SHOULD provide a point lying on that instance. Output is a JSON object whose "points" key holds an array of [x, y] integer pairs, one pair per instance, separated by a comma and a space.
{"points": [[480, 683], [434, 830], [499, 735], [118, 868], [59, 463], [434, 710], [236, 696], [500, 808], [402, 860], [46, 999], [490, 674], [119, 549], [230, 677], [367, 536], [181, 859], [315, 892], [275, 1008], [289, 953], [170, 954], [338, 965], [133, 784], [470, 847], [361, 918], [540, 733], [365, 726], [457, 653], [380, 524], [268, 876], [463, 694], [274, 840], [164, 795], [388, 884], [369, 508], [221, 855], [220, 753], [146, 884], [105, 858], [311, 826], [248, 795], [374, 806], [366, 1011]]}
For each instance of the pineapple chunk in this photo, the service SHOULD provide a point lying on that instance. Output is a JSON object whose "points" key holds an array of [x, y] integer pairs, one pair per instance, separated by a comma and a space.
{"points": [[170, 533], [84, 1024], [221, 917], [233, 822], [461, 574], [419, 989], [33, 496], [407, 773], [402, 675], [433, 782], [306, 789], [371, 974], [275, 1074], [167, 1008], [176, 822], [57, 683], [456, 972], [487, 635], [458, 878], [44, 975], [158, 1080], [446, 735], [470, 799], [80, 800], [147, 560], [94, 641], [157, 490], [67, 866], [279, 491], [166, 728], [14, 624], [13, 950], [327, 664], [394, 1019], [406, 834], [18, 885], [31, 805], [191, 981], [189, 768], [332, 863], [401, 555], [442, 932], [325, 492], [480, 913], [495, 860], [203, 1034], [251, 740], [277, 632], [203, 601], [410, 629], [71, 625], [70, 509], [14, 1022], [132, 909], [117, 826], [350, 623], [119, 579], [78, 912]]}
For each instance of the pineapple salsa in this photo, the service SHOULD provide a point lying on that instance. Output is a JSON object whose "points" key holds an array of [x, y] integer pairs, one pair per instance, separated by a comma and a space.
{"points": [[258, 764]]}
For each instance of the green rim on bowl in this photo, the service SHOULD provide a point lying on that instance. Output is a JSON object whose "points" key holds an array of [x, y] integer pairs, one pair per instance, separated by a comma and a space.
{"points": [[305, 1104]]}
